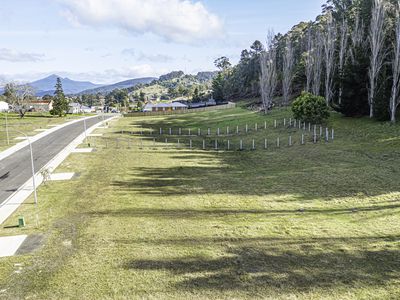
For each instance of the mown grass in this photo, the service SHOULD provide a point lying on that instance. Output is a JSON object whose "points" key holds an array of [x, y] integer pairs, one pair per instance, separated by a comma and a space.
{"points": [[303, 222], [28, 125]]}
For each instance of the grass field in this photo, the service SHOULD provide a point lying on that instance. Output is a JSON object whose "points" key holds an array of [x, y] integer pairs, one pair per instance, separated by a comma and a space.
{"points": [[28, 125], [303, 222]]}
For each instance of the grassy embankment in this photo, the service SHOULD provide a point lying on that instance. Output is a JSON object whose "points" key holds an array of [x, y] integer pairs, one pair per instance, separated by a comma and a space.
{"points": [[303, 222]]}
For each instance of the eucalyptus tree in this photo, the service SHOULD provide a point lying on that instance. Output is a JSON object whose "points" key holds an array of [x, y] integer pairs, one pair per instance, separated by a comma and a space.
{"points": [[288, 70], [317, 55], [329, 42], [309, 59], [395, 94], [377, 41], [19, 96], [343, 46], [268, 76]]}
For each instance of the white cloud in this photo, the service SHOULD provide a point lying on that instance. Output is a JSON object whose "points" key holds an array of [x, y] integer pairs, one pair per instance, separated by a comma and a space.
{"points": [[182, 21], [154, 58], [16, 56]]}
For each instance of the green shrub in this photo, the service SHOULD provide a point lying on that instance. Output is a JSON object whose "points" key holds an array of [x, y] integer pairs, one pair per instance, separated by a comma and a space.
{"points": [[310, 108]]}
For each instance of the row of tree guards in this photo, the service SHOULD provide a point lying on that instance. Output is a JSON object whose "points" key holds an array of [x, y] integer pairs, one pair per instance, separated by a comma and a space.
{"points": [[327, 135], [230, 130]]}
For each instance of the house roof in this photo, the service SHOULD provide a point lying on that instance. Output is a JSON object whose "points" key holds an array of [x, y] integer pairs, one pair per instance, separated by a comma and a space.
{"points": [[166, 105]]}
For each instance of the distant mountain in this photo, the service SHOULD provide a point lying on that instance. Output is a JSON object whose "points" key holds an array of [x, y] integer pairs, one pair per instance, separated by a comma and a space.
{"points": [[120, 85], [46, 85]]}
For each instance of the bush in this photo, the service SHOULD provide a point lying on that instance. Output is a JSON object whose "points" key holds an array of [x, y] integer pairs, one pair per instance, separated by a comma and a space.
{"points": [[310, 108]]}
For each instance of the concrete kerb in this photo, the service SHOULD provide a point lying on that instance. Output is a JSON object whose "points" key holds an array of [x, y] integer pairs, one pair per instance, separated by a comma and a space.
{"points": [[8, 207], [6, 153]]}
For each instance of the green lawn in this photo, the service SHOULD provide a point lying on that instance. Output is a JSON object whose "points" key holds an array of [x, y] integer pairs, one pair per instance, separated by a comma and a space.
{"points": [[28, 125], [303, 222]]}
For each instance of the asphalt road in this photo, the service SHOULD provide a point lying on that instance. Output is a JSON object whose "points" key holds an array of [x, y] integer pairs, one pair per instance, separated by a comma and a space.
{"points": [[16, 169]]}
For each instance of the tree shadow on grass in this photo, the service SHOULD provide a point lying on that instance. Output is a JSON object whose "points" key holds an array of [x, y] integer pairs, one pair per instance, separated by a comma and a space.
{"points": [[299, 265]]}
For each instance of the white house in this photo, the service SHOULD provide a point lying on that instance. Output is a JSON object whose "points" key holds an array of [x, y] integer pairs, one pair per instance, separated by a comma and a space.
{"points": [[74, 108], [4, 107]]}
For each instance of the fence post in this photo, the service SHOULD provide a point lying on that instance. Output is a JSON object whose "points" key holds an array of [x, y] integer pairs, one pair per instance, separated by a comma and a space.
{"points": [[278, 142], [190, 132], [254, 144], [315, 134], [204, 145], [265, 125], [290, 141], [241, 145], [180, 131], [302, 138], [229, 145], [199, 132], [247, 128], [265, 144], [256, 127], [218, 131], [216, 144], [209, 131], [333, 134], [190, 144], [327, 135], [284, 122], [237, 129], [170, 131], [275, 124], [227, 130]]}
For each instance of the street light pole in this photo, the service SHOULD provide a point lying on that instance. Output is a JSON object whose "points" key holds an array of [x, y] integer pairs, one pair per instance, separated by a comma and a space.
{"points": [[32, 166], [7, 133]]}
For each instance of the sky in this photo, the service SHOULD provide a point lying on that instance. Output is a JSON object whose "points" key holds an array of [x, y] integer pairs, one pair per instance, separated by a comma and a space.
{"points": [[106, 41]]}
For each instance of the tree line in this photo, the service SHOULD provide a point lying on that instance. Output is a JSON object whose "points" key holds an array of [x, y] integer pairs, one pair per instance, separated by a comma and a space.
{"points": [[350, 55]]}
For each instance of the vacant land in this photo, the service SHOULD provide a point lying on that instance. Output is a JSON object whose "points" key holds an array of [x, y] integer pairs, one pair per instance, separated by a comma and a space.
{"points": [[28, 125], [303, 222]]}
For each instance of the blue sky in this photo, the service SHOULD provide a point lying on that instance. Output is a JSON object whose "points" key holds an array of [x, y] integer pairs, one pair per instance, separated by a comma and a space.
{"points": [[105, 41]]}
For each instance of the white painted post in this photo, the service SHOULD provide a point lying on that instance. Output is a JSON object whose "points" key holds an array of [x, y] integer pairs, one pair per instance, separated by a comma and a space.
{"points": [[170, 131], [327, 135], [284, 122], [265, 144], [190, 144], [227, 130], [209, 131], [180, 131], [256, 127], [294, 123], [278, 142], [199, 132], [229, 145], [218, 131], [265, 125], [204, 145], [333, 134], [302, 139], [254, 144], [241, 144], [304, 126], [290, 141], [237, 129], [275, 124], [247, 128], [290, 122]]}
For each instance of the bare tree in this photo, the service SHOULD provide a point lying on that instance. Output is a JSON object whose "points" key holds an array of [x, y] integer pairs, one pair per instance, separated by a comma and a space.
{"points": [[329, 41], [357, 36], [317, 54], [395, 97], [268, 76], [376, 39], [19, 96], [309, 60], [344, 39], [288, 70]]}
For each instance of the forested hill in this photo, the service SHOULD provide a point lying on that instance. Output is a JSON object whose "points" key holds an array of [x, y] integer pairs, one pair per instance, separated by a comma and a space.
{"points": [[350, 55]]}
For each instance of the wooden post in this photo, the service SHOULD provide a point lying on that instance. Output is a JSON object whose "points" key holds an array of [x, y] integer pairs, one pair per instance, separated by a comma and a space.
{"points": [[278, 142], [204, 145], [216, 144], [290, 141], [254, 144], [241, 145]]}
